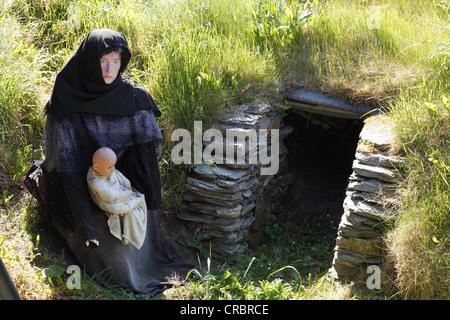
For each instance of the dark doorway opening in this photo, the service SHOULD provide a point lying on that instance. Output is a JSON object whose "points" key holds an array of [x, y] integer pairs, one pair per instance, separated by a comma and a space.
{"points": [[321, 150]]}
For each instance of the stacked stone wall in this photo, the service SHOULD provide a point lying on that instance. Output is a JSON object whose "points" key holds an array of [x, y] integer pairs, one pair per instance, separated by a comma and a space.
{"points": [[370, 195], [227, 202]]}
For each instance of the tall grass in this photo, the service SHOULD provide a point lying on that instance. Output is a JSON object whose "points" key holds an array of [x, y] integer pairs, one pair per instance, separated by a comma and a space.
{"points": [[20, 98], [418, 250], [199, 71], [366, 51], [201, 57]]}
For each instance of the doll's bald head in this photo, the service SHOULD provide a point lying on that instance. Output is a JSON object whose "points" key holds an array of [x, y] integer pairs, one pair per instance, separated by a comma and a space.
{"points": [[104, 161]]}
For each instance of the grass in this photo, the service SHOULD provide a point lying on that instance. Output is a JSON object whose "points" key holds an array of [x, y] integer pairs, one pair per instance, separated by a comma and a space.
{"points": [[200, 59], [291, 264], [418, 247]]}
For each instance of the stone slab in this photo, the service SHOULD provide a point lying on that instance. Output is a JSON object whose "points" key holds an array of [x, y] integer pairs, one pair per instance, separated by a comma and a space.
{"points": [[380, 173]]}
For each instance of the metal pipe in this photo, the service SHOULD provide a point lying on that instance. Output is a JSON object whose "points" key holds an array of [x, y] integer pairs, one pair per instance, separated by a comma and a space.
{"points": [[313, 102]]}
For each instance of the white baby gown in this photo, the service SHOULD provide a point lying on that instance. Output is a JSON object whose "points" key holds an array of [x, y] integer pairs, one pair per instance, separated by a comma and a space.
{"points": [[125, 206]]}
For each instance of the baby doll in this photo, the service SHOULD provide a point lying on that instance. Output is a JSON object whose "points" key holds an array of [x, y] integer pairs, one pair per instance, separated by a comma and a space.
{"points": [[112, 192]]}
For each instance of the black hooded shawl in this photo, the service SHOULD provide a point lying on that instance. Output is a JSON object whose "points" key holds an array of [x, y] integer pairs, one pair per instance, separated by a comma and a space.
{"points": [[79, 86]]}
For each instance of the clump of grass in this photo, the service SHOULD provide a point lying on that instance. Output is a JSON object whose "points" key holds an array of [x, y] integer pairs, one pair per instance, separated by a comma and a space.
{"points": [[343, 53], [418, 247], [20, 98], [200, 60], [17, 250]]}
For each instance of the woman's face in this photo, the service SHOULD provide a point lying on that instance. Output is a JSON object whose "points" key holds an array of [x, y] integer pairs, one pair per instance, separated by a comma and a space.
{"points": [[110, 64]]}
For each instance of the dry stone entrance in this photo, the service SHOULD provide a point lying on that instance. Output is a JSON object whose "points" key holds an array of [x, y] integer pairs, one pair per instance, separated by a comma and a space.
{"points": [[325, 166]]}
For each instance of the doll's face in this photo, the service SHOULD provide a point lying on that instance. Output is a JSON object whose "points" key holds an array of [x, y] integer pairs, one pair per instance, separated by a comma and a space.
{"points": [[110, 64], [104, 161]]}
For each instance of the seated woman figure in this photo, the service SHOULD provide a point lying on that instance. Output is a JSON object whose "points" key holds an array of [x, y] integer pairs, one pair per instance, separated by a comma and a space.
{"points": [[93, 105]]}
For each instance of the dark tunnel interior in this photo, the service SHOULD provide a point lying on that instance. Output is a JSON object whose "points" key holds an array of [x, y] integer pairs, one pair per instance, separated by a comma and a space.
{"points": [[321, 150]]}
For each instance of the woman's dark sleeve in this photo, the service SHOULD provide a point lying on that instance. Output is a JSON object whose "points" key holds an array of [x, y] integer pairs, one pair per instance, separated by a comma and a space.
{"points": [[140, 165], [81, 205]]}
